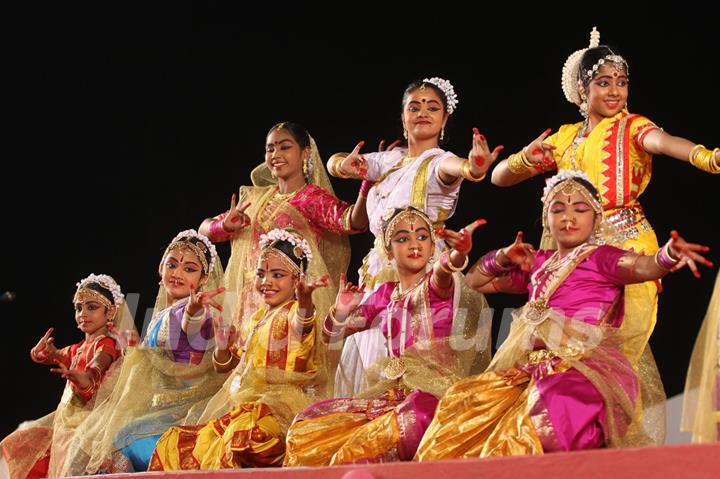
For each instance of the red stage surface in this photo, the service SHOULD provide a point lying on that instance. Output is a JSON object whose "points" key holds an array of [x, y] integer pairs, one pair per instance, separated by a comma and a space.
{"points": [[696, 461]]}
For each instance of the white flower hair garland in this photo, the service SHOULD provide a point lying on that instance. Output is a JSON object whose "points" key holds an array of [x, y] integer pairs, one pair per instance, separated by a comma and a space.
{"points": [[279, 234], [191, 233], [447, 88], [107, 282], [571, 70]]}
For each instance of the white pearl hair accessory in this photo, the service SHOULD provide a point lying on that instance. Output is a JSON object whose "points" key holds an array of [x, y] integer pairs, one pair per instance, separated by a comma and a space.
{"points": [[191, 233], [279, 234], [571, 69], [106, 282], [446, 87]]}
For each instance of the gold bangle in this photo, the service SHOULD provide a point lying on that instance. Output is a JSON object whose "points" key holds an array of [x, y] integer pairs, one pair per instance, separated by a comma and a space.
{"points": [[467, 174], [218, 363], [704, 159], [334, 167], [309, 321], [233, 350], [714, 165], [454, 268], [332, 334], [331, 314], [517, 163], [693, 153]]}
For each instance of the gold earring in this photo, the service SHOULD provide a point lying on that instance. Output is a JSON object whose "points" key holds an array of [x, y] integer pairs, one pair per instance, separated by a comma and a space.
{"points": [[442, 134], [305, 167], [404, 133]]}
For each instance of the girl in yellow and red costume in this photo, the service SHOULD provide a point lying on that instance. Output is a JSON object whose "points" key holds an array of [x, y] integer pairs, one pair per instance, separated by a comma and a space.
{"points": [[615, 148]]}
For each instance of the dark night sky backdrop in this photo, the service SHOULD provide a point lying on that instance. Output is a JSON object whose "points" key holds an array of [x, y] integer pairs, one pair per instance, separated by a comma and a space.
{"points": [[146, 120]]}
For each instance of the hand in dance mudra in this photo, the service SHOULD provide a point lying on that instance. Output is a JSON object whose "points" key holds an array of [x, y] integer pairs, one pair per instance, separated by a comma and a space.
{"points": [[687, 253], [480, 156], [518, 254]]}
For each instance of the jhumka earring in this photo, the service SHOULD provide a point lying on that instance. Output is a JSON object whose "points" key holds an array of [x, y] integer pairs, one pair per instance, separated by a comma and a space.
{"points": [[404, 133], [305, 166], [584, 106]]}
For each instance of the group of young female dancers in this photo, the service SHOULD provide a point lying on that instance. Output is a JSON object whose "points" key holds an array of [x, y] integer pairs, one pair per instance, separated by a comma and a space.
{"points": [[280, 361]]}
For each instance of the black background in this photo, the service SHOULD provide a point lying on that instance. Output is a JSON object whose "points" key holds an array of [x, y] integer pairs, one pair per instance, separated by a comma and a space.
{"points": [[126, 125]]}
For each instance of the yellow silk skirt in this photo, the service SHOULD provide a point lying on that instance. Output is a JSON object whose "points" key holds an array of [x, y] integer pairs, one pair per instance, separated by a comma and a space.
{"points": [[248, 436]]}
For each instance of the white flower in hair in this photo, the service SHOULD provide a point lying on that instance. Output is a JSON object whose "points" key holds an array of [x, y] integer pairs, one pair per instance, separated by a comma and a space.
{"points": [[447, 89], [106, 282], [279, 234], [571, 69], [191, 233], [561, 176]]}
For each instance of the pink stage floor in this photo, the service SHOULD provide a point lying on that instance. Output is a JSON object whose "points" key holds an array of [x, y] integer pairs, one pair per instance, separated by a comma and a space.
{"points": [[692, 461]]}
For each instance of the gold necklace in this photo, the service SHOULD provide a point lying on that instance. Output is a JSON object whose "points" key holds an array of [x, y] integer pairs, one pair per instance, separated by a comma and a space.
{"points": [[395, 367], [577, 141], [398, 294], [287, 195]]}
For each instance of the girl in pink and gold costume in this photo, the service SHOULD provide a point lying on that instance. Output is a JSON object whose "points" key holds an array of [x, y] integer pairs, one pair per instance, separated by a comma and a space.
{"points": [[562, 380], [429, 346]]}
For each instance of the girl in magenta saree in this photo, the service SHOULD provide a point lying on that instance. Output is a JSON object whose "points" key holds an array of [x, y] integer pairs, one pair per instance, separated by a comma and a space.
{"points": [[561, 381], [417, 316]]}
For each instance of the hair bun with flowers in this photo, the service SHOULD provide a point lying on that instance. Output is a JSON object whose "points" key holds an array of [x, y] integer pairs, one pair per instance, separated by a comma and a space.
{"points": [[447, 88], [183, 236], [301, 247], [106, 282], [571, 70]]}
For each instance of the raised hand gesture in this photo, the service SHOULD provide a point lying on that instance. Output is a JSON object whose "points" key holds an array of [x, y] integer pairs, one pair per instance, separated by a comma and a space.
{"points": [[203, 300], [82, 379], [355, 165], [461, 240], [518, 253], [303, 293], [540, 153], [225, 333], [687, 253], [349, 297], [480, 156], [45, 350], [236, 218]]}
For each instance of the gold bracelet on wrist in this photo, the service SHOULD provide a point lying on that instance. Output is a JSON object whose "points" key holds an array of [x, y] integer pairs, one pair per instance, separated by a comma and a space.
{"points": [[704, 159], [518, 164], [335, 170], [309, 321], [331, 314], [467, 174], [332, 333], [454, 268], [218, 363]]}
